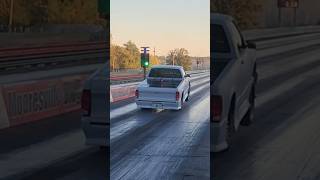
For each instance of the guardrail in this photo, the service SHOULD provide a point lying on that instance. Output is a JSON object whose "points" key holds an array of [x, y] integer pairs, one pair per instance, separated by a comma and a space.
{"points": [[125, 91], [120, 79], [274, 33], [40, 57]]}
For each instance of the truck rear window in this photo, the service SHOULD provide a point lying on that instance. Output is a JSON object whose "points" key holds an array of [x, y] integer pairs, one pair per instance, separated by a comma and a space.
{"points": [[165, 73], [218, 39]]}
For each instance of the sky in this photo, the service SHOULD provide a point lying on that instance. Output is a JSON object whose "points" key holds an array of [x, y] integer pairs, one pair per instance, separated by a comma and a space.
{"points": [[162, 24]]}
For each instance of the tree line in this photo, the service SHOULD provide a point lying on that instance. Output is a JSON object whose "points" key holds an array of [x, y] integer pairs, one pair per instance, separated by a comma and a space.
{"points": [[128, 56], [34, 12], [179, 56]]}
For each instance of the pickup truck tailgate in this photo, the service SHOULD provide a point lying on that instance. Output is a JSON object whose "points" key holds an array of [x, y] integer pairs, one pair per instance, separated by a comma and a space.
{"points": [[157, 94]]}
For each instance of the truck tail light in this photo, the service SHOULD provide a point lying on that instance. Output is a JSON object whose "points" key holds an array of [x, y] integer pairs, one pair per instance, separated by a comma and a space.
{"points": [[177, 96], [86, 102], [216, 105], [137, 93]]}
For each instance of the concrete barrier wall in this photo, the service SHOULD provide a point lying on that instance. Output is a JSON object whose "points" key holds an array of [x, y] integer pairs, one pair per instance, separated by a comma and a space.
{"points": [[34, 100], [118, 93]]}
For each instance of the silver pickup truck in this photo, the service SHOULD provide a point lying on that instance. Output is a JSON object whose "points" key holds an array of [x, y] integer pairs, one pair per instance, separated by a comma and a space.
{"points": [[233, 80], [165, 87]]}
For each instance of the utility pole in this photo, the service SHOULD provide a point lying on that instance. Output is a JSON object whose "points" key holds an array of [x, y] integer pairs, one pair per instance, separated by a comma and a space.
{"points": [[172, 59], [197, 60], [154, 54], [279, 17], [11, 16], [295, 16]]}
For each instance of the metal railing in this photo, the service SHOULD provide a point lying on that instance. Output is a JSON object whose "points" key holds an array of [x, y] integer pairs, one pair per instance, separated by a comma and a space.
{"points": [[52, 55]]}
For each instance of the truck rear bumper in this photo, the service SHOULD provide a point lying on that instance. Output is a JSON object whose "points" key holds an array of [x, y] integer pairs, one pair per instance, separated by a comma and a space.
{"points": [[158, 104], [218, 139], [96, 133]]}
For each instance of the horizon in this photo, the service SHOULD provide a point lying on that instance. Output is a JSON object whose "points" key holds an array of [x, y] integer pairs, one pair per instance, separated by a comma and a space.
{"points": [[154, 24]]}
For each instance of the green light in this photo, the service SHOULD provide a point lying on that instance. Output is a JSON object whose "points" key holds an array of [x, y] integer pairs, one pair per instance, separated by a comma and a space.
{"points": [[146, 63]]}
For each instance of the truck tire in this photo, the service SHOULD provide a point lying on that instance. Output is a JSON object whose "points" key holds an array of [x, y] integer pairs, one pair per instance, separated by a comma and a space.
{"points": [[229, 131], [146, 109], [187, 99], [255, 74], [182, 101], [249, 117]]}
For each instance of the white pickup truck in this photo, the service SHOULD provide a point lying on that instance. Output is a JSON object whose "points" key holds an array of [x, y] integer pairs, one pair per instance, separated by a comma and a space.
{"points": [[95, 108], [233, 80], [165, 87]]}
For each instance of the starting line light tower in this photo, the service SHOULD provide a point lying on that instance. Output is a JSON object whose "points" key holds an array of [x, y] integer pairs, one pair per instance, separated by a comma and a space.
{"points": [[145, 59]]}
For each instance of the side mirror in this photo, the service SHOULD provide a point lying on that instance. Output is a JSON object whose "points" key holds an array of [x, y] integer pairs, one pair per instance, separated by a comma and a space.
{"points": [[251, 45], [187, 75]]}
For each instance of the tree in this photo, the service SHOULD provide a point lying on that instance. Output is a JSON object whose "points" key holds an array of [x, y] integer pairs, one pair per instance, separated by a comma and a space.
{"points": [[5, 11], [180, 57], [133, 60], [118, 57], [154, 60], [72, 12], [244, 11], [31, 12], [113, 57], [36, 12]]}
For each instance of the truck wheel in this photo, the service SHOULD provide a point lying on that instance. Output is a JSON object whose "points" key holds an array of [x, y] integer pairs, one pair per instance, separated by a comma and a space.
{"points": [[145, 109], [249, 117], [181, 100], [187, 99], [229, 131]]}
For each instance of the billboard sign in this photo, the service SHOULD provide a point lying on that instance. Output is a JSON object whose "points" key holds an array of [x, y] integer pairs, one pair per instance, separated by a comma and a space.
{"points": [[288, 3]]}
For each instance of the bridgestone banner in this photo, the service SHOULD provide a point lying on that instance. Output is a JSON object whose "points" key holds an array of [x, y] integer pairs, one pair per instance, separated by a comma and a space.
{"points": [[36, 100]]}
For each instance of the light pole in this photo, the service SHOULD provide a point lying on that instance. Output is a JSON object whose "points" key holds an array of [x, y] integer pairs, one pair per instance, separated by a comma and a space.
{"points": [[172, 59], [11, 16]]}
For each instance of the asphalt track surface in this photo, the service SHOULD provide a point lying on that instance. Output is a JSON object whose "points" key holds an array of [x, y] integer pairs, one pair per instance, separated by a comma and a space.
{"points": [[283, 142]]}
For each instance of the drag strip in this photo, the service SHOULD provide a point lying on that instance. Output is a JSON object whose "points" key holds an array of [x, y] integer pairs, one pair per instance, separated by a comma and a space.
{"points": [[155, 144], [283, 142]]}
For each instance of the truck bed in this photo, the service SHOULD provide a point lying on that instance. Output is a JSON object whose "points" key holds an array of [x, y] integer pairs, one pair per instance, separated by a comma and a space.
{"points": [[161, 90]]}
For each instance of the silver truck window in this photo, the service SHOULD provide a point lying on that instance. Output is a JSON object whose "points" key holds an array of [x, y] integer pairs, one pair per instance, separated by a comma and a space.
{"points": [[218, 39], [237, 34], [165, 73]]}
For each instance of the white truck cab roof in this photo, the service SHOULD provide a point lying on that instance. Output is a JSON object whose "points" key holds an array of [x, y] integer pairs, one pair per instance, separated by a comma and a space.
{"points": [[220, 18], [167, 66], [180, 68]]}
